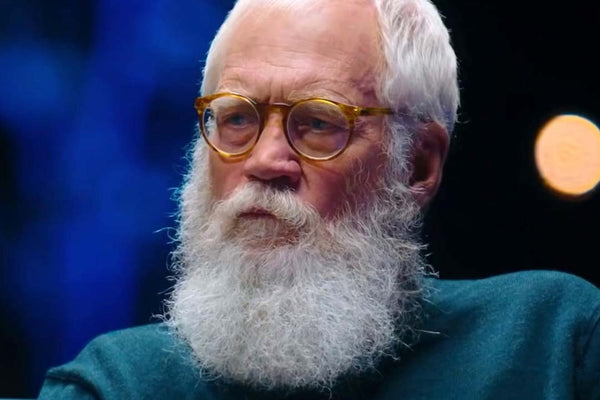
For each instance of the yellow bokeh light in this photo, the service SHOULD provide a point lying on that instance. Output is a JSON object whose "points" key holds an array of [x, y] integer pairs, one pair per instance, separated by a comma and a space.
{"points": [[567, 154]]}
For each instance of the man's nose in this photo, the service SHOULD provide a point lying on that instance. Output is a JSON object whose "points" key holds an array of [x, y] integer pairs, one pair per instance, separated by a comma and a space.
{"points": [[272, 160]]}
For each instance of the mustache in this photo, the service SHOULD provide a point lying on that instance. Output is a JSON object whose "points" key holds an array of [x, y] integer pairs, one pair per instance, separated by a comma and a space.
{"points": [[259, 198]]}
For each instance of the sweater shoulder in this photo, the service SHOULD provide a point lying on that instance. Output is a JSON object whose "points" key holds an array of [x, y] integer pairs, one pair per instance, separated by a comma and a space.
{"points": [[524, 287], [132, 363]]}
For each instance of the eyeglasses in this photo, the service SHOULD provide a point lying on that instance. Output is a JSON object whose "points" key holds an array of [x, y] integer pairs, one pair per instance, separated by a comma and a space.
{"points": [[317, 129]]}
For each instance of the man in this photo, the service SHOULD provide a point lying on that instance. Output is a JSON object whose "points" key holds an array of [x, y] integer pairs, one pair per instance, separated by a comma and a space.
{"points": [[325, 127]]}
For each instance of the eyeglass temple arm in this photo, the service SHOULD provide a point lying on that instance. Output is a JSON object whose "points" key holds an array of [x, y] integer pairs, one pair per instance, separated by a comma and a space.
{"points": [[374, 111]]}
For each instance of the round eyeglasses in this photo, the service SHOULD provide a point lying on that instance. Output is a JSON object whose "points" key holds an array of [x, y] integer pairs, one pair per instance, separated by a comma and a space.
{"points": [[317, 129]]}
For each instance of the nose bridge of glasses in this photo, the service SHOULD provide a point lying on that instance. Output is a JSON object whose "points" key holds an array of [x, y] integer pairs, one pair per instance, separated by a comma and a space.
{"points": [[273, 149], [266, 109]]}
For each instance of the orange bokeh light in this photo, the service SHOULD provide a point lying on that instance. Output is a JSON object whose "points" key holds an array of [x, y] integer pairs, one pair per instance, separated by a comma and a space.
{"points": [[567, 154]]}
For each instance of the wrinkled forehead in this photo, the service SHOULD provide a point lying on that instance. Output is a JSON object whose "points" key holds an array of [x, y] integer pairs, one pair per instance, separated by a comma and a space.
{"points": [[332, 34]]}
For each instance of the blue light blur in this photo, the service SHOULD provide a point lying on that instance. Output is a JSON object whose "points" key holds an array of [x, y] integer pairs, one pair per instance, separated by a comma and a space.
{"points": [[96, 110]]}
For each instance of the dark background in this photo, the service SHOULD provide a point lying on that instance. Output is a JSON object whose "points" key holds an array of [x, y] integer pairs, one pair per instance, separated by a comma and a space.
{"points": [[96, 113]]}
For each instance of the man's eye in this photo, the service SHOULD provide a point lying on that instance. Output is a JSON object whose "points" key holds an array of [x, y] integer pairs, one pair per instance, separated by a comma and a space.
{"points": [[316, 125], [237, 120], [320, 125]]}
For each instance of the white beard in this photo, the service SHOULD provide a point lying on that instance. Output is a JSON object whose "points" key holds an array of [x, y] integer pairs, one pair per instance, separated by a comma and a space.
{"points": [[294, 301]]}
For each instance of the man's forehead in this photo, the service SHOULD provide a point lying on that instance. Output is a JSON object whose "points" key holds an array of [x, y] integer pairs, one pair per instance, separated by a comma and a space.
{"points": [[333, 23], [309, 7], [303, 85], [326, 51]]}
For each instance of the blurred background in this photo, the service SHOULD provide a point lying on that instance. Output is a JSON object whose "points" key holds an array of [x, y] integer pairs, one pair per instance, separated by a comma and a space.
{"points": [[96, 113]]}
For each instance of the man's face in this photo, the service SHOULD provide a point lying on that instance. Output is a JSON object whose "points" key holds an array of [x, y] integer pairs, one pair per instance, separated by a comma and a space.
{"points": [[281, 288], [274, 56]]}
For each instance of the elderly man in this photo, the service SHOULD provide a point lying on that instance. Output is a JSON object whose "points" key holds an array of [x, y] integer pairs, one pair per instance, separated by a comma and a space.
{"points": [[325, 126]]}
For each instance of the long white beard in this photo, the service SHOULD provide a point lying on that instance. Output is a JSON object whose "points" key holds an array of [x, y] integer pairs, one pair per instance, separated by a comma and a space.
{"points": [[294, 301]]}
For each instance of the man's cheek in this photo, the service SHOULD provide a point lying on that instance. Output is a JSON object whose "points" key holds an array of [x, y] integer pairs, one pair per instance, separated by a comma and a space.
{"points": [[224, 178]]}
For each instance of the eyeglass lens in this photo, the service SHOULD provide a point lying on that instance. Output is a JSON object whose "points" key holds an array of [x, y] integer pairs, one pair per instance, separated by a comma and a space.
{"points": [[231, 124], [315, 128]]}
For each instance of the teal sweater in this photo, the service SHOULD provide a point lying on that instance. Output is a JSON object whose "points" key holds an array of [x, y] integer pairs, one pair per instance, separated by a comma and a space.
{"points": [[528, 335]]}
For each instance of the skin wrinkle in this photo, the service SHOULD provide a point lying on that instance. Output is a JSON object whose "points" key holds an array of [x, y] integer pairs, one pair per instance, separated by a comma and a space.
{"points": [[302, 87], [334, 55]]}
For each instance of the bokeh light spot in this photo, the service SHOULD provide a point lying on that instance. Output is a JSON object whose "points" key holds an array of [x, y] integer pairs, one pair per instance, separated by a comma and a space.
{"points": [[567, 154]]}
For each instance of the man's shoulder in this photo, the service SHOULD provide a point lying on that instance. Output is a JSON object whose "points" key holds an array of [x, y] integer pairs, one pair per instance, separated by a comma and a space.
{"points": [[520, 304], [153, 335], [531, 287], [134, 345], [531, 334], [128, 363]]}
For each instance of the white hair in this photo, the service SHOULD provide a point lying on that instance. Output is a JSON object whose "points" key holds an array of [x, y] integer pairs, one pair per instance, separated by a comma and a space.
{"points": [[298, 302], [420, 75]]}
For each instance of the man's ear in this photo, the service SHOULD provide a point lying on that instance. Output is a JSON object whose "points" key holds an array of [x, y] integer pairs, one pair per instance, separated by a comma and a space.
{"points": [[428, 156]]}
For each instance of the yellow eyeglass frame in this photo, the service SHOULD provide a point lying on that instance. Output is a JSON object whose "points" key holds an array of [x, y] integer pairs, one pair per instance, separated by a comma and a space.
{"points": [[351, 112]]}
